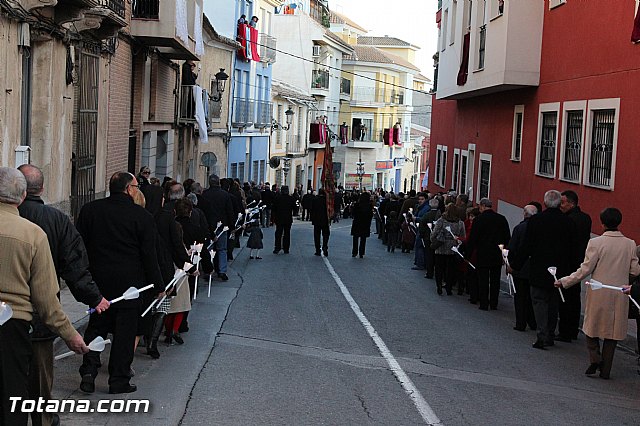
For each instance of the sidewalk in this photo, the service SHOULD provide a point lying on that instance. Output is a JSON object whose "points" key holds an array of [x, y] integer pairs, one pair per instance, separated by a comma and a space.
{"points": [[630, 343]]}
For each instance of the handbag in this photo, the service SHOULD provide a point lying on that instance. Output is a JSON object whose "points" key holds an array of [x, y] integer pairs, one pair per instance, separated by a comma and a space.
{"points": [[437, 243]]}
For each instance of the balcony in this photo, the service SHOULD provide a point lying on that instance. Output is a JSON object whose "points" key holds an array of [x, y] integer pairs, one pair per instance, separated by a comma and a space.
{"points": [[368, 97], [186, 113], [243, 112], [345, 89], [502, 54], [320, 82], [295, 145], [157, 25], [267, 49], [264, 114]]}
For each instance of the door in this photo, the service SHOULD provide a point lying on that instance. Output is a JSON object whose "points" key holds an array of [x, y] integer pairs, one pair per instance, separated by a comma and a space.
{"points": [[85, 128]]}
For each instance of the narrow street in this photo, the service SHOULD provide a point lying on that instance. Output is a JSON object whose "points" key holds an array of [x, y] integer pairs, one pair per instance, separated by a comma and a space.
{"points": [[291, 350]]}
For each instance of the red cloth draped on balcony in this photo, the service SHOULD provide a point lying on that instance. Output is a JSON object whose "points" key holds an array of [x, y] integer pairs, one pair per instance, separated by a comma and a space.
{"points": [[396, 136], [327, 178], [248, 38], [387, 137], [635, 34], [344, 134], [318, 133], [464, 65]]}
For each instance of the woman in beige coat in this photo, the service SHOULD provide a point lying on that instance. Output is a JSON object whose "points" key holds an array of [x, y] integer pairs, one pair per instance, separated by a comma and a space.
{"points": [[609, 259]]}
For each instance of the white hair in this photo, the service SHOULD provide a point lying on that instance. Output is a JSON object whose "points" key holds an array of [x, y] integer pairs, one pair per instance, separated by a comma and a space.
{"points": [[530, 210], [552, 199], [13, 186]]}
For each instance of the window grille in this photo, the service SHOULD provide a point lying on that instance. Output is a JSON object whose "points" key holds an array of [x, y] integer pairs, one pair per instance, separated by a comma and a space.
{"points": [[601, 159], [573, 146], [547, 158]]}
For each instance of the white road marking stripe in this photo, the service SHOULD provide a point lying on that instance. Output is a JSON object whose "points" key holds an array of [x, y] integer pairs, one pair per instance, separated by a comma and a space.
{"points": [[418, 400]]}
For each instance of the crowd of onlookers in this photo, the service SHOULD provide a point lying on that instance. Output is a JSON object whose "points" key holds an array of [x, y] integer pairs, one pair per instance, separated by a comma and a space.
{"points": [[465, 247], [168, 234]]}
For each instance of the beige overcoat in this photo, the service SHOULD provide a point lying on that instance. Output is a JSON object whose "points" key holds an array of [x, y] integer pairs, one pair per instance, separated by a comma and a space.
{"points": [[610, 259], [182, 301]]}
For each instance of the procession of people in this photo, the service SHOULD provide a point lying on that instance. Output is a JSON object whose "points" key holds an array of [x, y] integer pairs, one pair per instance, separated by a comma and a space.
{"points": [[165, 237]]}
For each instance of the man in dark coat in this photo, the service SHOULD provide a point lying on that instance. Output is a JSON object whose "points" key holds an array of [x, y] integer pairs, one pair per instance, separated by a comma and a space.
{"points": [[72, 265], [488, 231], [548, 241], [121, 243], [522, 296], [267, 199], [282, 214], [219, 208], [320, 222], [154, 197], [361, 226], [307, 199], [569, 311]]}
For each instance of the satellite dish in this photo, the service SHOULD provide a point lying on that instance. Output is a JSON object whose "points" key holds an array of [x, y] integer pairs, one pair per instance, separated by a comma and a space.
{"points": [[208, 159], [274, 162]]}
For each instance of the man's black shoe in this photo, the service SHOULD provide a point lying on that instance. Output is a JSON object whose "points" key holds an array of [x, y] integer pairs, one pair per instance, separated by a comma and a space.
{"points": [[484, 308], [562, 339], [124, 389], [326, 253], [223, 277], [593, 368], [276, 251], [317, 253], [178, 338], [519, 328], [286, 252], [88, 384], [539, 344]]}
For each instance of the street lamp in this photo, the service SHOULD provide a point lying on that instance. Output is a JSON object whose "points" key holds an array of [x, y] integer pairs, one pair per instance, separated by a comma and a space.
{"points": [[360, 169], [221, 81], [286, 166]]}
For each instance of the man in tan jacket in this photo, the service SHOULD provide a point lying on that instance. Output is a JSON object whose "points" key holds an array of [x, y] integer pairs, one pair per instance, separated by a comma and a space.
{"points": [[26, 283]]}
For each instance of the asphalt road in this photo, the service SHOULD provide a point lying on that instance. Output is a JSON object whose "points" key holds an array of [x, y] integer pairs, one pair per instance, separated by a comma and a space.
{"points": [[281, 344]]}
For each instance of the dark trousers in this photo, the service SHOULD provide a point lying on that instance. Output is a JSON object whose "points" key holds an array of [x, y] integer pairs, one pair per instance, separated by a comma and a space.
{"points": [[41, 378], [523, 305], [122, 323], [605, 357], [489, 286], [429, 259], [283, 237], [325, 231], [446, 268], [545, 309], [15, 356], [419, 254], [569, 313], [359, 246], [392, 240], [472, 284]]}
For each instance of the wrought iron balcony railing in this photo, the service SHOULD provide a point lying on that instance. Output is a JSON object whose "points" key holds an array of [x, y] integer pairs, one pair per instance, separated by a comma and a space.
{"points": [[243, 112], [320, 79], [145, 9], [267, 48], [264, 114]]}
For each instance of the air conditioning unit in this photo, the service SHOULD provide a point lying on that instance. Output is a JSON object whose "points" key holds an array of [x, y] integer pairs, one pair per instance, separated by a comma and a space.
{"points": [[316, 50]]}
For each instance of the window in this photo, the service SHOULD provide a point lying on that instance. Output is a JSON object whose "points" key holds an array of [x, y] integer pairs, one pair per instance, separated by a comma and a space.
{"points": [[456, 169], [484, 176], [496, 8], [481, 46], [602, 147], [572, 149], [516, 143], [547, 137], [464, 167], [241, 171], [254, 171], [280, 135], [441, 166], [234, 170], [445, 33], [452, 26], [556, 3], [263, 164]]}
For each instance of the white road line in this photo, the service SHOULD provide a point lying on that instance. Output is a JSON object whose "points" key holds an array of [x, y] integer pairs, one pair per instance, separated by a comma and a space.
{"points": [[418, 400]]}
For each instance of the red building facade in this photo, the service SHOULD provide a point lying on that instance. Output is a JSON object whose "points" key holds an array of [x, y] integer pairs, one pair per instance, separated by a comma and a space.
{"points": [[577, 129]]}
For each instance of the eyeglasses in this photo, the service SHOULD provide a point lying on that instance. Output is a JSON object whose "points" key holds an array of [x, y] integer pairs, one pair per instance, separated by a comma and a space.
{"points": [[146, 172], [135, 186]]}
